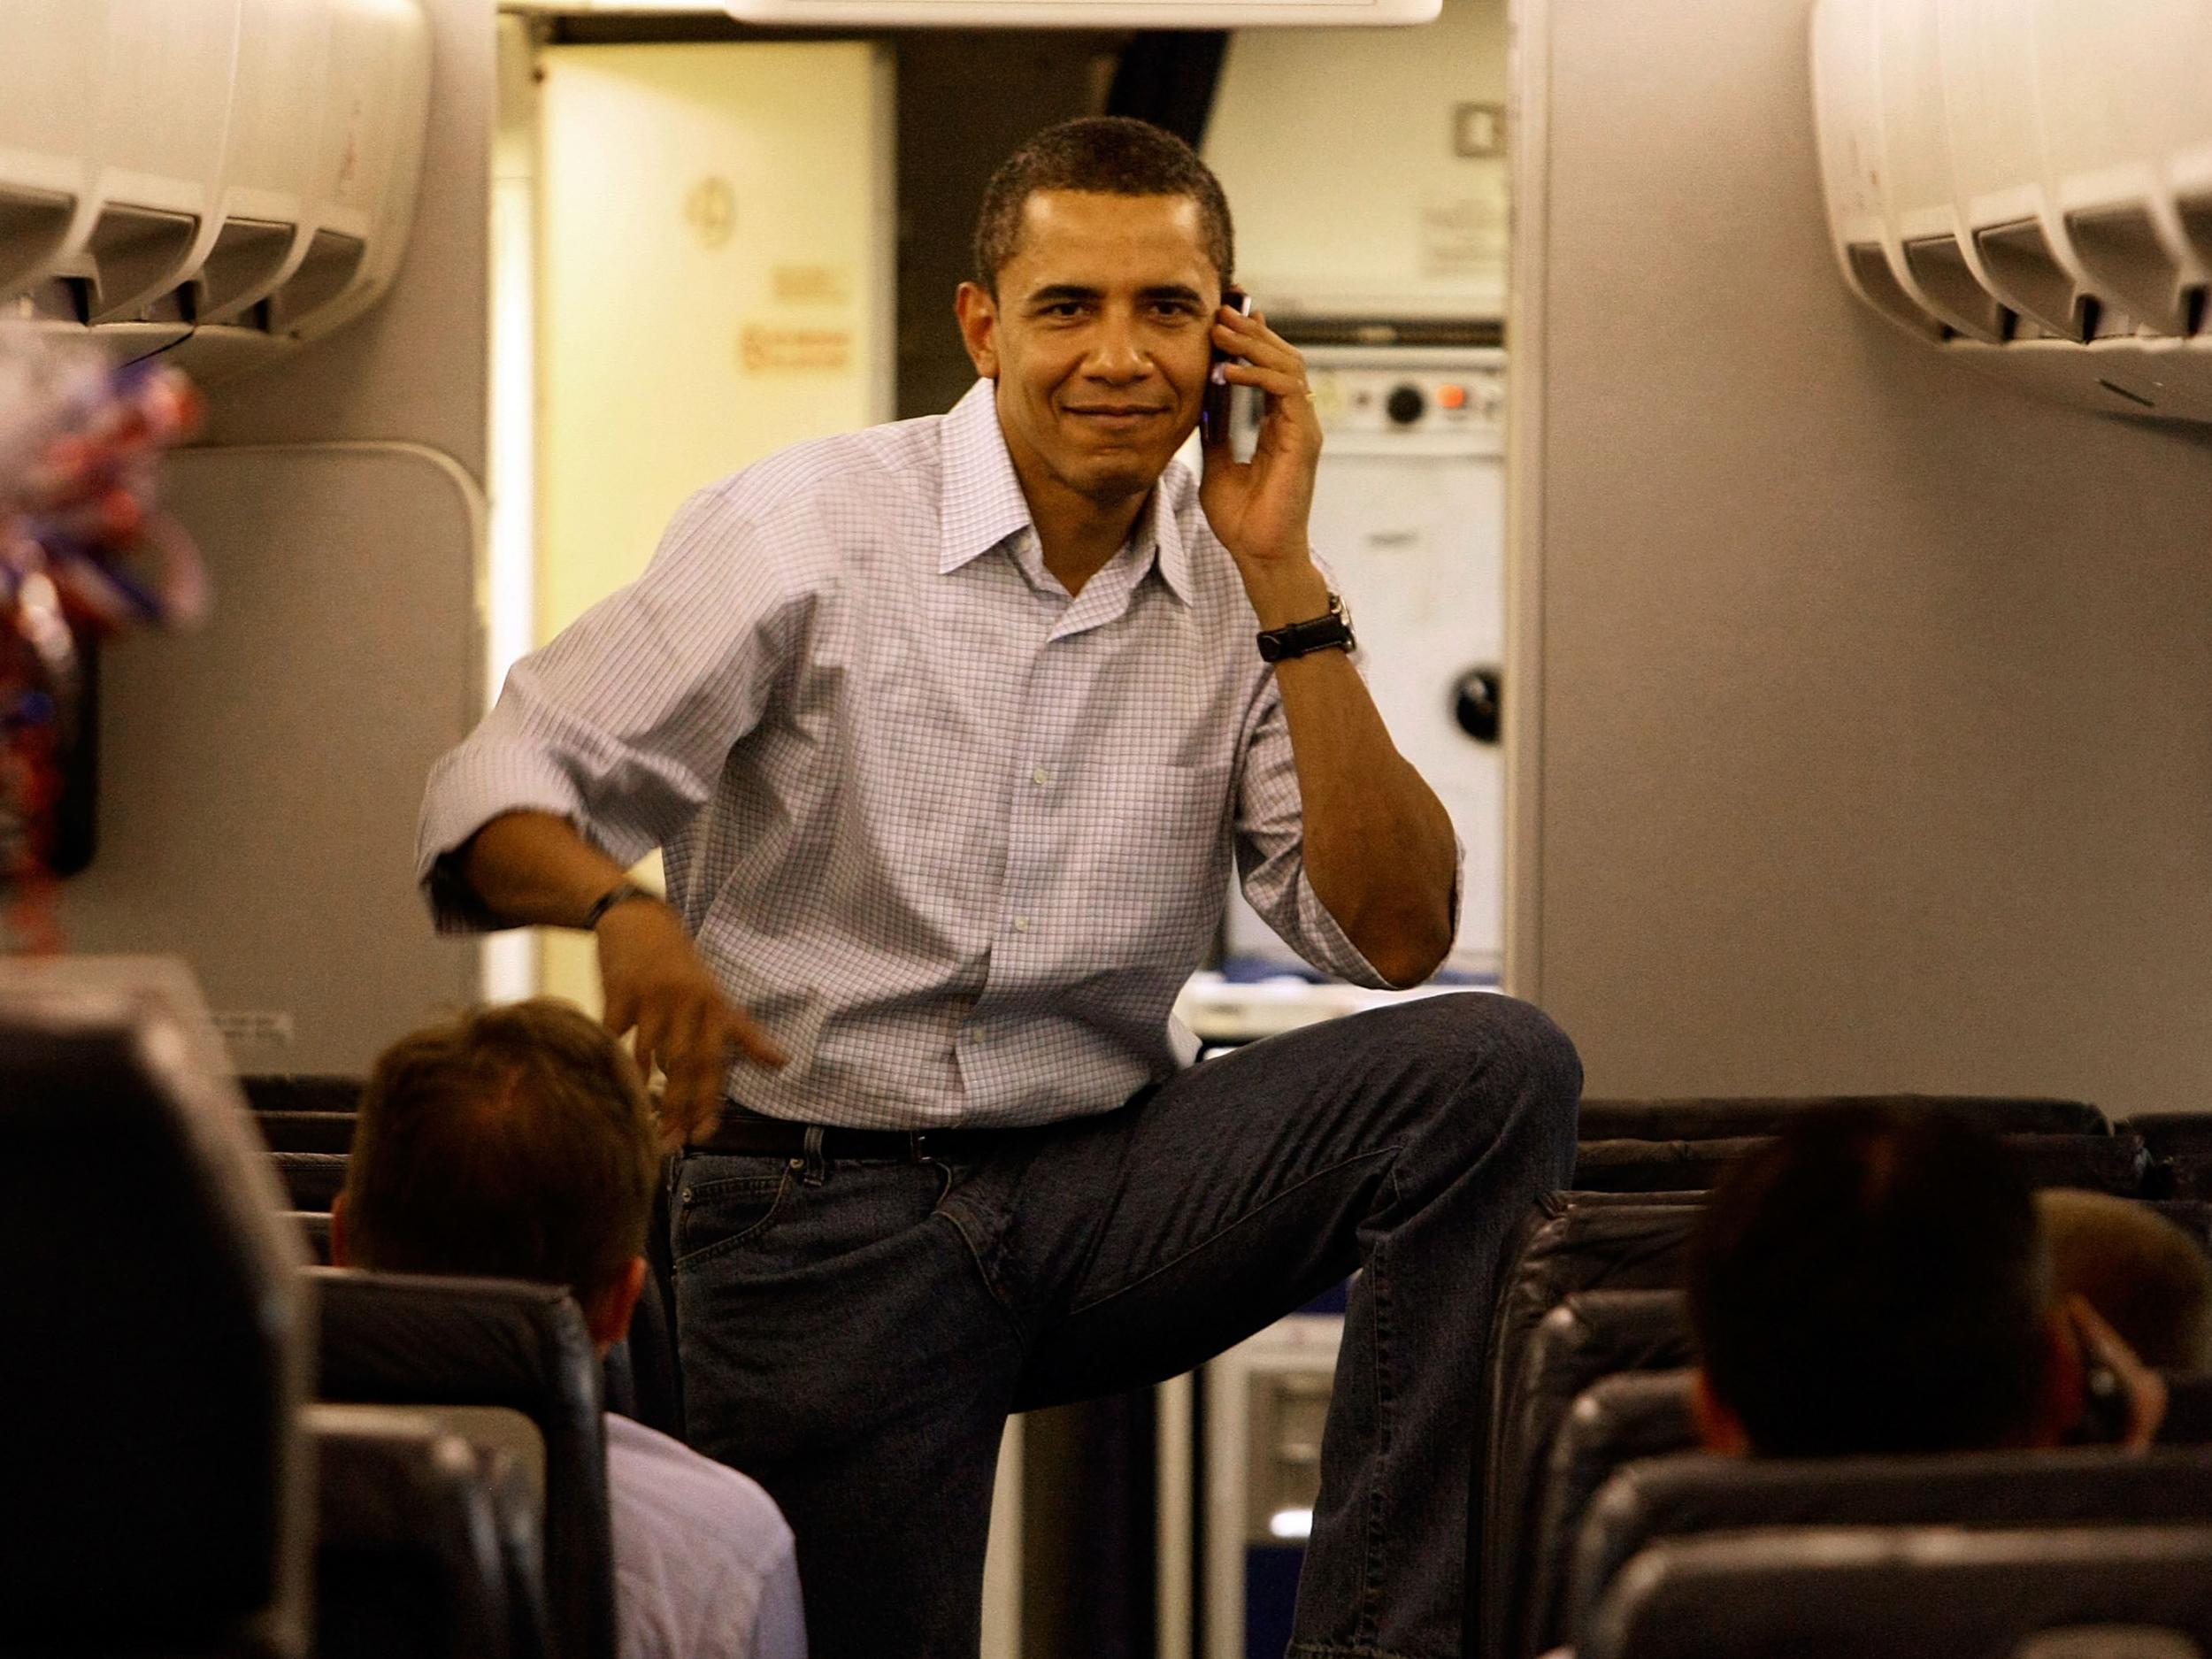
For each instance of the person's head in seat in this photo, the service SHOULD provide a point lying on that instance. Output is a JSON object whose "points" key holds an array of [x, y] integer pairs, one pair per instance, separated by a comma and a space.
{"points": [[516, 1142], [2151, 1281], [1875, 1280]]}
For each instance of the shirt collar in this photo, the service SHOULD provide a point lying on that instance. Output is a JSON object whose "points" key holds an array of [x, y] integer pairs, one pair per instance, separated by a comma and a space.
{"points": [[980, 503]]}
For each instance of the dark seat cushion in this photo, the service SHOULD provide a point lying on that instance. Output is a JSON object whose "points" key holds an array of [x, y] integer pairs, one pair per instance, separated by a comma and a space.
{"points": [[1616, 1420], [311, 1179], [302, 1092], [1728, 1117], [408, 1539], [1673, 1497], [306, 1131], [2118, 1164], [1871, 1592], [153, 1335], [400, 1340], [1591, 1335]]}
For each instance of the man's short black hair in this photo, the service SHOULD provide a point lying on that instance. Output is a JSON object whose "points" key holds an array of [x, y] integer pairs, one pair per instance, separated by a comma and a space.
{"points": [[1874, 1280], [1106, 155]]}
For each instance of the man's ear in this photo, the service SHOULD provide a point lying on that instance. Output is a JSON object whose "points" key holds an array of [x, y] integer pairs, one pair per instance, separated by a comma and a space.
{"points": [[338, 1251], [979, 326], [607, 1315], [1718, 1427]]}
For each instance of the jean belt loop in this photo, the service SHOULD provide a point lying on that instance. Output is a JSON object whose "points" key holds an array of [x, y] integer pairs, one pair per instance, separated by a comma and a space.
{"points": [[816, 1166]]}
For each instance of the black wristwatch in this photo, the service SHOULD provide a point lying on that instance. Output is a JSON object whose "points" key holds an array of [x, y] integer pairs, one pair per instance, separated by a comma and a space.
{"points": [[1319, 633], [621, 893]]}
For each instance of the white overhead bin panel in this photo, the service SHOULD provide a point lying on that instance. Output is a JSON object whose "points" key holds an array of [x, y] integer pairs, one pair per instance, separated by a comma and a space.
{"points": [[1853, 161], [229, 174], [1083, 14], [1919, 212], [283, 63], [2126, 89], [54, 51], [2009, 235], [2029, 184]]}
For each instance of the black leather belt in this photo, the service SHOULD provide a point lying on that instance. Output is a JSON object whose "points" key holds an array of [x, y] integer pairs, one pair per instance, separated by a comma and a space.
{"points": [[748, 1134]]}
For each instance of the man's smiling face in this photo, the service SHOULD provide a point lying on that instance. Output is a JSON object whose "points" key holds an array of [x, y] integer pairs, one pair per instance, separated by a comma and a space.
{"points": [[1099, 338]]}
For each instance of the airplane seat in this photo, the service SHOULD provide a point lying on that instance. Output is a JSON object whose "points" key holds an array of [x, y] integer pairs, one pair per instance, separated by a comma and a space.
{"points": [[311, 1179], [2182, 1143], [302, 1092], [1618, 1419], [307, 1131], [405, 1339], [1846, 1593], [156, 1335], [2188, 1420], [1669, 1499], [2119, 1164], [411, 1552], [1588, 1337], [1726, 1117], [314, 1230]]}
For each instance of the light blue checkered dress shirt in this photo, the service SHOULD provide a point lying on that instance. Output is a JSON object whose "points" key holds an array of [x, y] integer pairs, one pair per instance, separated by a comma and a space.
{"points": [[953, 838]]}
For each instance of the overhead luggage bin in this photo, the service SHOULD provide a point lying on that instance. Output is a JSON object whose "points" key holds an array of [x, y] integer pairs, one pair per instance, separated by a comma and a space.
{"points": [[2074, 145], [1085, 14], [223, 177]]}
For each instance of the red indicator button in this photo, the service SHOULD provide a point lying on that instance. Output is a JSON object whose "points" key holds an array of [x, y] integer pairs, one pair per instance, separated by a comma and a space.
{"points": [[1451, 396]]}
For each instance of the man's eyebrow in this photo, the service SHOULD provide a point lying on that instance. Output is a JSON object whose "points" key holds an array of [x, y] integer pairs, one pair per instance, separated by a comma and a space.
{"points": [[1059, 291], [1172, 291]]}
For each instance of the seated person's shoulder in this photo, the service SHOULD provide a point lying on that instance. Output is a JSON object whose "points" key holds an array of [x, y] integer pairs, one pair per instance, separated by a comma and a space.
{"points": [[704, 1562]]}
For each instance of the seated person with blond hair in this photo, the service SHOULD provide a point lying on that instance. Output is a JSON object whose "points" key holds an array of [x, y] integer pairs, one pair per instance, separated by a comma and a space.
{"points": [[1876, 1280], [518, 1142], [2151, 1281]]}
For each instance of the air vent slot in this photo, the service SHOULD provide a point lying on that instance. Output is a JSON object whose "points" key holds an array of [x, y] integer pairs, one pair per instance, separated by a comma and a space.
{"points": [[1870, 266], [2028, 276], [2120, 249], [33, 224], [133, 249], [249, 257], [1940, 267], [332, 260]]}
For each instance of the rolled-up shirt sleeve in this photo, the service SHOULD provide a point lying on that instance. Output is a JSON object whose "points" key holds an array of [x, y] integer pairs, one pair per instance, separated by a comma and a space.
{"points": [[1271, 850], [622, 725]]}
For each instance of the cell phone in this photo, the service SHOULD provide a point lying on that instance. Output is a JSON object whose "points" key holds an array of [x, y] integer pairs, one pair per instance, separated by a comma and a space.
{"points": [[1213, 412], [2105, 1408]]}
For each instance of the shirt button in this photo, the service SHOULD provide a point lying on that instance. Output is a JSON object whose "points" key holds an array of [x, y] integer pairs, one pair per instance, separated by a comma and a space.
{"points": [[1021, 924], [1040, 777]]}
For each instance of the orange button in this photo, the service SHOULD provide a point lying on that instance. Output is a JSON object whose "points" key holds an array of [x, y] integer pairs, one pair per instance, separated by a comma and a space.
{"points": [[1452, 396]]}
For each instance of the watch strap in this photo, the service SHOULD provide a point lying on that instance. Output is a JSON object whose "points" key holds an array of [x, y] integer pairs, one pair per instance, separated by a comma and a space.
{"points": [[1332, 631], [621, 893]]}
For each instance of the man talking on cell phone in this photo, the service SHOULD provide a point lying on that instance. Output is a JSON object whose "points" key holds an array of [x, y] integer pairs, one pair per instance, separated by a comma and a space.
{"points": [[949, 731]]}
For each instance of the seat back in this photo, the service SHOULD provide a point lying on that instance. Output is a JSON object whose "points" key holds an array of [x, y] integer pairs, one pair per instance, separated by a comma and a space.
{"points": [[1590, 1336], [1615, 1420], [155, 1337], [302, 1092], [311, 1179], [1849, 1593], [402, 1340], [306, 1131], [408, 1555], [1723, 1116], [2103, 1161], [1673, 1498]]}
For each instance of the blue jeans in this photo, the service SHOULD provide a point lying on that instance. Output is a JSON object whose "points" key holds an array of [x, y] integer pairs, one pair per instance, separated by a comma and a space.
{"points": [[854, 1333]]}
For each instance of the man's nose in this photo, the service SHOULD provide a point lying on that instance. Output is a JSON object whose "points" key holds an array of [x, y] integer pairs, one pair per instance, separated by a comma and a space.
{"points": [[1117, 351]]}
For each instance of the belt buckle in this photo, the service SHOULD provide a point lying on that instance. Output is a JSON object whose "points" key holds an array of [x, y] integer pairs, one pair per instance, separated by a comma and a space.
{"points": [[918, 1144]]}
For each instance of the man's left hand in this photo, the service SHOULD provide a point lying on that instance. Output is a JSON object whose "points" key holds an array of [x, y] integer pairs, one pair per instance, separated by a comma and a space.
{"points": [[1259, 507]]}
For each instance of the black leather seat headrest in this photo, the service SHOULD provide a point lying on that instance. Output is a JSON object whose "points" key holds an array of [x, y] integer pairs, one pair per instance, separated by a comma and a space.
{"points": [[1722, 1116], [1676, 1497], [154, 1335], [402, 1340], [1870, 1592], [1590, 1336], [1615, 1420], [409, 1556], [302, 1092], [2103, 1161]]}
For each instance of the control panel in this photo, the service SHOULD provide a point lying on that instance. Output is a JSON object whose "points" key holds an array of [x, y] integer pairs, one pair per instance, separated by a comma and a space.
{"points": [[1410, 399]]}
